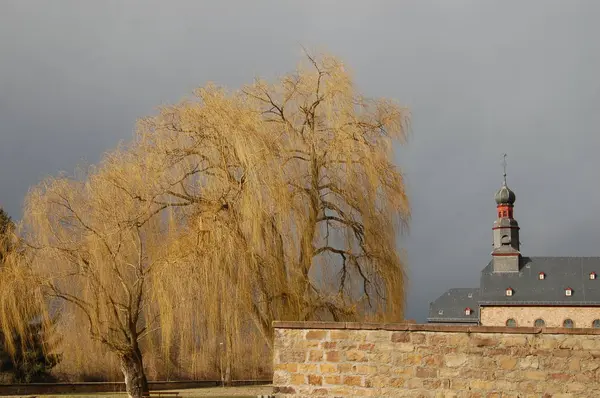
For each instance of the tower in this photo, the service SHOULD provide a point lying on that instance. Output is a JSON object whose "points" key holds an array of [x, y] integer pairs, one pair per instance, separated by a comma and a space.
{"points": [[505, 255]]}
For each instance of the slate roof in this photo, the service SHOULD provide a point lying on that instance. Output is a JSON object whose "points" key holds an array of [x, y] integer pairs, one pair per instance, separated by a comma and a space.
{"points": [[560, 273], [450, 306]]}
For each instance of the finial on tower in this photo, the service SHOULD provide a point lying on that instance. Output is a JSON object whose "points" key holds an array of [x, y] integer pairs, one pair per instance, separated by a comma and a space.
{"points": [[504, 165], [505, 196]]}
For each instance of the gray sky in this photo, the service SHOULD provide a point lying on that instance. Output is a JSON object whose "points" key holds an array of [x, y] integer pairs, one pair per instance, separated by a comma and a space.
{"points": [[481, 78]]}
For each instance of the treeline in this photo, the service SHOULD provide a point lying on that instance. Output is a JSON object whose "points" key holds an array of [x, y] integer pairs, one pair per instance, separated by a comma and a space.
{"points": [[172, 256]]}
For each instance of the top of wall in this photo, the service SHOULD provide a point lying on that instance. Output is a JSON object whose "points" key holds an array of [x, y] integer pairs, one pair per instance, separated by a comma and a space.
{"points": [[411, 326]]}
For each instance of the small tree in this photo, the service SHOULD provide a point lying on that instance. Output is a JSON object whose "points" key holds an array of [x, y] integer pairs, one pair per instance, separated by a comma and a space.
{"points": [[33, 359], [26, 355], [6, 230]]}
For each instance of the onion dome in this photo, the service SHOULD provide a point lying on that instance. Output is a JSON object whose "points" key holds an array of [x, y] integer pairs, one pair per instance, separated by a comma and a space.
{"points": [[505, 196]]}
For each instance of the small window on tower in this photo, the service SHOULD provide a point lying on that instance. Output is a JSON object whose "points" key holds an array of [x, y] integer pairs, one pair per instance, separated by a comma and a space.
{"points": [[509, 291], [592, 275], [596, 323], [568, 323], [541, 276], [505, 213], [468, 311], [511, 323], [568, 291]]}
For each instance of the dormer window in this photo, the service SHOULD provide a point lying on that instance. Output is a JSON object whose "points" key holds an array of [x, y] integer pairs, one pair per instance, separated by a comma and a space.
{"points": [[509, 291], [568, 292], [592, 275], [470, 295], [441, 312], [541, 276], [468, 311]]}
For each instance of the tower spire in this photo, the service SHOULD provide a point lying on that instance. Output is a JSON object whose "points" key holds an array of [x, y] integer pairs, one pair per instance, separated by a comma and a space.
{"points": [[506, 254], [504, 166]]}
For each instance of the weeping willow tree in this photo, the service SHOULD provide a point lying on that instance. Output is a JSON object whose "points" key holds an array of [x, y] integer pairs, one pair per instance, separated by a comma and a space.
{"points": [[226, 212], [308, 223]]}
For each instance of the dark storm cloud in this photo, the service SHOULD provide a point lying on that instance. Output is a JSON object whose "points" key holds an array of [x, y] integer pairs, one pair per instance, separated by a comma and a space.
{"points": [[481, 78]]}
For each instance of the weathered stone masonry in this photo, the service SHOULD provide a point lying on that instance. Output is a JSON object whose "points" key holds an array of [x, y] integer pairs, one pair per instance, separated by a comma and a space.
{"points": [[409, 360]]}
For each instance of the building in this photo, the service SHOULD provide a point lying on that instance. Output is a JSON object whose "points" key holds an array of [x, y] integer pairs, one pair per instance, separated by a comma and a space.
{"points": [[515, 290]]}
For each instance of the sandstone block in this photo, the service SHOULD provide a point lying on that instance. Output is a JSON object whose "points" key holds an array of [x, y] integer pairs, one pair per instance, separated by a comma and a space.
{"points": [[534, 375], [315, 355], [529, 361], [315, 380], [284, 390], [481, 384], [281, 377], [339, 335], [332, 356], [414, 383], [327, 368], [426, 372], [365, 369], [333, 379], [356, 356], [316, 335], [288, 367], [353, 381], [298, 379], [575, 364], [307, 368], [575, 387], [404, 347], [455, 360], [328, 345]]}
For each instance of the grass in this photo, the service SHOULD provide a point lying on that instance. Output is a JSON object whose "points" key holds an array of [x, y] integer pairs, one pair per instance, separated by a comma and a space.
{"points": [[215, 392]]}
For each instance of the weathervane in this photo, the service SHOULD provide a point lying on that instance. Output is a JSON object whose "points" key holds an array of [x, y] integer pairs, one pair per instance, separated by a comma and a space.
{"points": [[504, 165]]}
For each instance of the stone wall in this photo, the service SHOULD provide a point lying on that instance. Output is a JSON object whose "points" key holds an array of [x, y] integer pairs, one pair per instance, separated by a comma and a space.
{"points": [[525, 316], [409, 360]]}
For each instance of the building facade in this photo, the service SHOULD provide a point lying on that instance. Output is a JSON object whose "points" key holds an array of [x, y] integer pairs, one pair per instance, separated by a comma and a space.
{"points": [[516, 290]]}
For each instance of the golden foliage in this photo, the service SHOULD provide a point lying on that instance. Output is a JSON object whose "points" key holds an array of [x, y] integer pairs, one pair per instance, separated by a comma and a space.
{"points": [[227, 211]]}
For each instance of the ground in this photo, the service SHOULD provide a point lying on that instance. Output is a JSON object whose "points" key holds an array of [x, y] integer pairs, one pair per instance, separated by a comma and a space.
{"points": [[216, 392]]}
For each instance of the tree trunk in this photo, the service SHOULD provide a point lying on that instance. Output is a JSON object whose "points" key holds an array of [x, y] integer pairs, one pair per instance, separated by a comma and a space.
{"points": [[132, 367]]}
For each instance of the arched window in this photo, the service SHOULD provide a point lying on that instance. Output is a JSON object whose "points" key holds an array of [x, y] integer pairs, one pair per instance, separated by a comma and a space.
{"points": [[511, 323], [568, 323], [539, 323], [596, 323]]}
